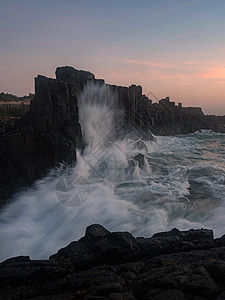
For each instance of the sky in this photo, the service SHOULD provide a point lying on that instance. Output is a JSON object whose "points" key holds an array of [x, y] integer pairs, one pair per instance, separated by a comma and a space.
{"points": [[171, 48]]}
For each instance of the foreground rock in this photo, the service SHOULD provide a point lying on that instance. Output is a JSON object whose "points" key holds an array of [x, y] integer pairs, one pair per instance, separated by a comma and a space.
{"points": [[187, 265]]}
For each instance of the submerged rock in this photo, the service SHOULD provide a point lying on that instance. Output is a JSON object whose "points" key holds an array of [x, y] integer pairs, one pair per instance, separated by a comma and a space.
{"points": [[107, 265], [140, 158]]}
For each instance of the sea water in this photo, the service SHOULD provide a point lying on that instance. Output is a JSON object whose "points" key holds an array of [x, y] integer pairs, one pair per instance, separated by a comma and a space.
{"points": [[179, 183]]}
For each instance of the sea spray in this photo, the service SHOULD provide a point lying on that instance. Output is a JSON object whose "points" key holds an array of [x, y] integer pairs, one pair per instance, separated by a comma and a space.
{"points": [[181, 184]]}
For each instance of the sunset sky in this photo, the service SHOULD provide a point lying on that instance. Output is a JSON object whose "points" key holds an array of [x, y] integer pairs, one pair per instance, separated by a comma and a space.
{"points": [[172, 48]]}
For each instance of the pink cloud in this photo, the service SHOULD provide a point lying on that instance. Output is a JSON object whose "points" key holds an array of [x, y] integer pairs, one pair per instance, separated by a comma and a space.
{"points": [[184, 83], [148, 63], [200, 63], [127, 71], [221, 82], [114, 74], [182, 76], [212, 73], [124, 77], [159, 75]]}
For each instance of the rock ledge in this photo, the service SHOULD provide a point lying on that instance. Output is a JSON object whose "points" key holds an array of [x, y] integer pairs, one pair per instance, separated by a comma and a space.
{"points": [[184, 265]]}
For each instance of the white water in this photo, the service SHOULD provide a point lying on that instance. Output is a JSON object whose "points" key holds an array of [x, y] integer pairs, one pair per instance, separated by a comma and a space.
{"points": [[182, 184]]}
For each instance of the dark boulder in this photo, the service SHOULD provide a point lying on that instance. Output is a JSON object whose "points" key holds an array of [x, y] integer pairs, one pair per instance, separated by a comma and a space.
{"points": [[96, 230], [140, 158], [100, 246], [158, 245], [117, 247]]}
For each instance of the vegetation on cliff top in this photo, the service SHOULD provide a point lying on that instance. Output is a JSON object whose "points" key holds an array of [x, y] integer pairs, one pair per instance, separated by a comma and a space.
{"points": [[5, 97]]}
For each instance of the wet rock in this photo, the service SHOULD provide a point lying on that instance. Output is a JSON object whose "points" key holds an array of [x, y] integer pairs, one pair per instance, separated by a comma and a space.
{"points": [[140, 145], [100, 246], [96, 230], [117, 247], [201, 238], [74, 252], [175, 241], [140, 158], [158, 245]]}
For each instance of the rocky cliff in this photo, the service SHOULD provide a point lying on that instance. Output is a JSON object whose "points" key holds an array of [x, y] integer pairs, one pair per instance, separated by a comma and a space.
{"points": [[140, 114], [174, 265], [49, 133], [46, 135]]}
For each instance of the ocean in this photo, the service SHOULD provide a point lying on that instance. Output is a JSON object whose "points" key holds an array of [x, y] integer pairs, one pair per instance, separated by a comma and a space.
{"points": [[126, 184]]}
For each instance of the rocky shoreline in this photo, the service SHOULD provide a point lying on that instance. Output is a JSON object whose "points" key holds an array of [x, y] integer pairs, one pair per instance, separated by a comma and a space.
{"points": [[188, 265], [184, 265], [49, 133]]}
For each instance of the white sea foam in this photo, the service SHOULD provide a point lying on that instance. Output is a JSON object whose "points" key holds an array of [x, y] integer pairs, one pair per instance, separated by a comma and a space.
{"points": [[181, 184]]}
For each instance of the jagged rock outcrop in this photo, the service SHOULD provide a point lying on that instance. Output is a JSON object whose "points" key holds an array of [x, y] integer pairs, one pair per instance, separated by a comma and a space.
{"points": [[184, 265], [166, 118]]}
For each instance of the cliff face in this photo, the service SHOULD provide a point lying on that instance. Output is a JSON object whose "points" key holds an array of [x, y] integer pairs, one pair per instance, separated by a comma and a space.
{"points": [[46, 135], [53, 120], [171, 119], [140, 115], [143, 117]]}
